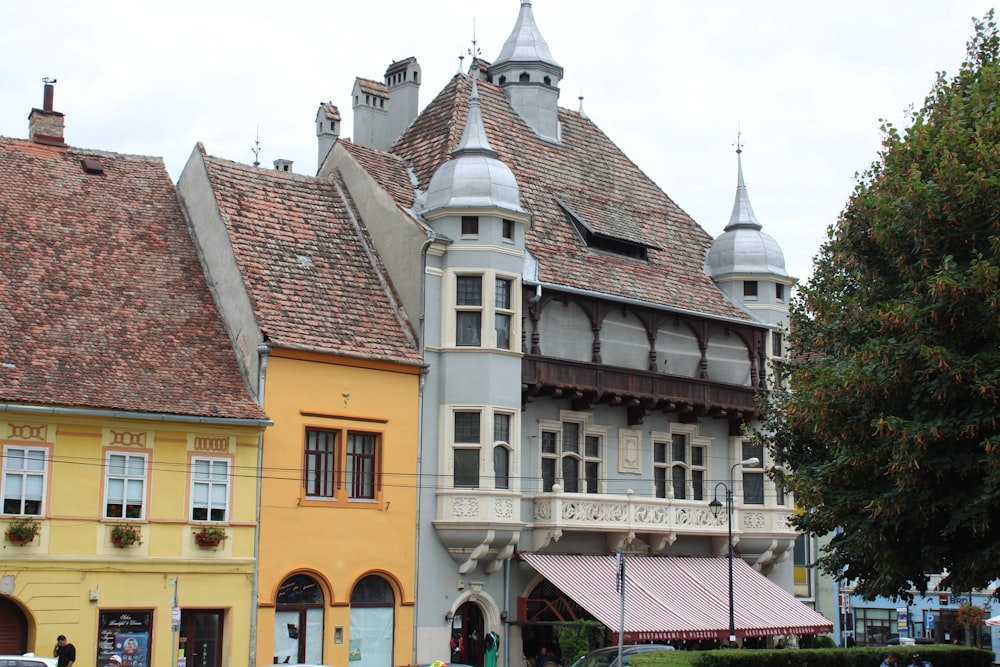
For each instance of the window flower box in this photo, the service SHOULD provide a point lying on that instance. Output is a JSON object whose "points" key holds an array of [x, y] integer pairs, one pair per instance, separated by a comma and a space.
{"points": [[22, 531], [209, 537], [124, 535]]}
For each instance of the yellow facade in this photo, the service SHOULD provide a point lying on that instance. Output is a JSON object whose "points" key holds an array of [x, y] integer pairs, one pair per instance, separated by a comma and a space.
{"points": [[325, 535], [71, 579]]}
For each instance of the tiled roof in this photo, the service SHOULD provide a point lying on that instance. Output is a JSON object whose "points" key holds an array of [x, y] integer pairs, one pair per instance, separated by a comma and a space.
{"points": [[330, 110], [306, 261], [588, 171], [372, 87], [399, 66], [103, 303], [388, 170]]}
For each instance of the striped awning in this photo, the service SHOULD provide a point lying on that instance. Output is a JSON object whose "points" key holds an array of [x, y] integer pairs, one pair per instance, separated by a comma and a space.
{"points": [[674, 597]]}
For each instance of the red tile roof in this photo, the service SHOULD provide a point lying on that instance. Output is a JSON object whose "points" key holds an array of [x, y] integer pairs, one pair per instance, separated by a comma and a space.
{"points": [[103, 303], [372, 87], [590, 173], [388, 170], [307, 262]]}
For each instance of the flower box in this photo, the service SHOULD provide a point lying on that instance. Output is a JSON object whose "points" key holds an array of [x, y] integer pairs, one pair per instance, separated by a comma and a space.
{"points": [[22, 531], [124, 535], [209, 537]]}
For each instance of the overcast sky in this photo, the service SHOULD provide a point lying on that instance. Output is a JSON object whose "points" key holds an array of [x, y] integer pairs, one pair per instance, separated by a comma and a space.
{"points": [[670, 82]]}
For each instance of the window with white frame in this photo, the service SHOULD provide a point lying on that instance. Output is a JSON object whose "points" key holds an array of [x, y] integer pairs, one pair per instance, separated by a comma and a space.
{"points": [[503, 312], [466, 448], [24, 476], [572, 453], [125, 486], [501, 450], [209, 489], [485, 310], [753, 477], [468, 311], [679, 463]]}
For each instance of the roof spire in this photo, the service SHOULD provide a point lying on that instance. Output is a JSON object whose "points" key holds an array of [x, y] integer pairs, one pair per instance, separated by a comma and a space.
{"points": [[742, 216], [582, 112], [474, 138]]}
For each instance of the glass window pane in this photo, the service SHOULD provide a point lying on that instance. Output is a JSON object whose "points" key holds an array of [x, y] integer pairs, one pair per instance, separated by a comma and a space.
{"points": [[12, 486], [753, 488], [467, 427], [593, 476], [678, 447], [502, 327], [469, 291], [698, 456], [548, 474], [35, 460], [14, 459], [199, 494], [468, 328], [466, 468], [593, 446], [571, 437], [501, 428], [548, 442], [659, 452], [679, 482], [660, 482], [134, 490], [136, 466], [501, 462], [116, 464], [750, 450], [571, 474], [503, 294], [697, 485]]}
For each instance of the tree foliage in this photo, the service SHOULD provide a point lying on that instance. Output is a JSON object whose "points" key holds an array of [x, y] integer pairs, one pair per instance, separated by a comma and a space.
{"points": [[890, 426]]}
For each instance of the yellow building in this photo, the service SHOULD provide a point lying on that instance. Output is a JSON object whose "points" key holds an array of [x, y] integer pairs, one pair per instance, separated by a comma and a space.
{"points": [[125, 424], [316, 322]]}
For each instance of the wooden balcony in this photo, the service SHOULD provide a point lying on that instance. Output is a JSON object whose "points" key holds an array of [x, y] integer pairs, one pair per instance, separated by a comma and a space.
{"points": [[641, 392]]}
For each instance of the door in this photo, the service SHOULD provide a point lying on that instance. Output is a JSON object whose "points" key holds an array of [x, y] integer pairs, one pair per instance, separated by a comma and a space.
{"points": [[200, 640]]}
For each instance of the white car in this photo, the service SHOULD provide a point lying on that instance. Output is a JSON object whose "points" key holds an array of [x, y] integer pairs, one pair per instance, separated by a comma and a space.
{"points": [[26, 660]]}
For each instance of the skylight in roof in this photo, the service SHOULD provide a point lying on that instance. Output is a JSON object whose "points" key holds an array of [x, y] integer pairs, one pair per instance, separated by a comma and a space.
{"points": [[306, 261]]}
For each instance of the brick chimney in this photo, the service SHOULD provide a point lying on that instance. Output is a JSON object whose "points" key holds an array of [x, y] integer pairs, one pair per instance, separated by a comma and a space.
{"points": [[45, 126]]}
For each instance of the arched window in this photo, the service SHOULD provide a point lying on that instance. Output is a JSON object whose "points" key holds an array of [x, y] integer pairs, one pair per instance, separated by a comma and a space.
{"points": [[373, 605], [298, 621]]}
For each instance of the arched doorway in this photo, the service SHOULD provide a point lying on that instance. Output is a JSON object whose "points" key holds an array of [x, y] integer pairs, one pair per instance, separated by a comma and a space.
{"points": [[373, 623], [13, 629], [468, 624], [298, 621]]}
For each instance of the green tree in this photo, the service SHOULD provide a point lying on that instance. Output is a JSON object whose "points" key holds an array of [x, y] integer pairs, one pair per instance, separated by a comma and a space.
{"points": [[890, 427]]}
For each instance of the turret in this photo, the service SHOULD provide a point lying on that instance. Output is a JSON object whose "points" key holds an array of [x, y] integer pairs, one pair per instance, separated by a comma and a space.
{"points": [[529, 75]]}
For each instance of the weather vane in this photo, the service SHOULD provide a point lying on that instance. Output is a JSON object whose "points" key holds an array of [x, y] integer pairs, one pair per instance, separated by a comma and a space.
{"points": [[256, 149], [474, 51], [739, 143]]}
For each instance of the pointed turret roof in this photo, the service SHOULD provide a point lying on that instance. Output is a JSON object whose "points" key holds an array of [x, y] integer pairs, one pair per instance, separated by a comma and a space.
{"points": [[743, 248], [526, 43], [474, 177], [742, 216]]}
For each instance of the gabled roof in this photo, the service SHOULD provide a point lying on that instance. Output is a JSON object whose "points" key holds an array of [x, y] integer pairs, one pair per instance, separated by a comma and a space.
{"points": [[590, 173], [372, 87], [388, 170], [103, 303], [313, 279]]}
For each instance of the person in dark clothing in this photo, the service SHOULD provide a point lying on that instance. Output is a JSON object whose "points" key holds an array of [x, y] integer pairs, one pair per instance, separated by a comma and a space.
{"points": [[64, 652]]}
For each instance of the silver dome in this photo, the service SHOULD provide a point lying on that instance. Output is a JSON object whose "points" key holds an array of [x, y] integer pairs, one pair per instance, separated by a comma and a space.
{"points": [[743, 247], [525, 43], [474, 177]]}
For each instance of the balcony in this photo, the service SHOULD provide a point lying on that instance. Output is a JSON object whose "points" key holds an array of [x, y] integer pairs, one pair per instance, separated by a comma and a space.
{"points": [[639, 391], [478, 526], [659, 521]]}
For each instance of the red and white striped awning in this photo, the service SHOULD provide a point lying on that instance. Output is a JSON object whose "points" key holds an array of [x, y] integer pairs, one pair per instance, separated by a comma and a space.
{"points": [[674, 597]]}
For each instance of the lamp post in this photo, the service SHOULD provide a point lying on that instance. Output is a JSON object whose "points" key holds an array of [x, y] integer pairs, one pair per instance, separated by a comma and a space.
{"points": [[716, 508]]}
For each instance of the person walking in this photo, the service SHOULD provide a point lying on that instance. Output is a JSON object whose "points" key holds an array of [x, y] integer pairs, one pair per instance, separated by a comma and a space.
{"points": [[64, 652]]}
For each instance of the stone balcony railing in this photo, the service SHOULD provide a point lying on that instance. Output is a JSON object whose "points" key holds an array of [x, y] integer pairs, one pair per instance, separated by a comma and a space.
{"points": [[660, 520]]}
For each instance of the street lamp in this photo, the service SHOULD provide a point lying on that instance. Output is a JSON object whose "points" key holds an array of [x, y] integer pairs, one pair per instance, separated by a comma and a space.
{"points": [[716, 508]]}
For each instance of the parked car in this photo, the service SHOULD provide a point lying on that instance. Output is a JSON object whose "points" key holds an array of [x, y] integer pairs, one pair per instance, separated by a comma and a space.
{"points": [[608, 656], [26, 660]]}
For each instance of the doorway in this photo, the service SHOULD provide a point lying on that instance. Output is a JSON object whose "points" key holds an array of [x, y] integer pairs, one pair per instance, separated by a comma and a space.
{"points": [[200, 638], [468, 623]]}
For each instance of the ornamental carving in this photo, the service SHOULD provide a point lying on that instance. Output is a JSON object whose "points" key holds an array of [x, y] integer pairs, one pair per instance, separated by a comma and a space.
{"points": [[128, 438], [465, 507], [652, 514], [543, 510], [503, 508], [211, 444], [753, 519], [593, 511], [28, 432]]}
